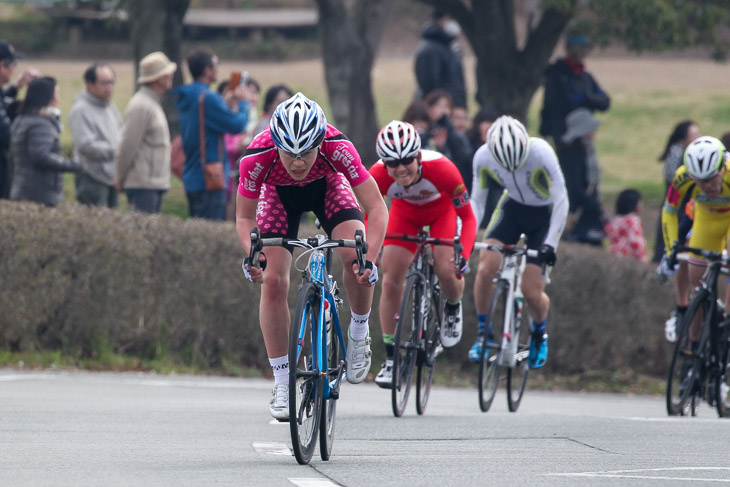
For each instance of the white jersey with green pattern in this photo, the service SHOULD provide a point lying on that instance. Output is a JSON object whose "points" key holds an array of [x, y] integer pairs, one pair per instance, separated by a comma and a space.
{"points": [[539, 182]]}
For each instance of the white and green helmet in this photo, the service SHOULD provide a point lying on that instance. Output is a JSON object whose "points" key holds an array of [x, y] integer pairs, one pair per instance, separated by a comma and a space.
{"points": [[508, 142], [704, 157]]}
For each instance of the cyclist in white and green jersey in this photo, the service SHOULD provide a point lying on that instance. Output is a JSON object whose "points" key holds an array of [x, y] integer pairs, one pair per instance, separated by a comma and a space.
{"points": [[534, 202]]}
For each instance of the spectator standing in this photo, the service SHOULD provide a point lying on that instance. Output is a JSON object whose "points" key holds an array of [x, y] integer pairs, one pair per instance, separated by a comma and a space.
{"points": [[673, 156], [254, 94], [236, 144], [569, 86], [143, 158], [274, 96], [96, 128], [625, 232], [579, 163], [444, 137], [36, 146], [477, 135], [221, 116], [438, 63], [8, 61]]}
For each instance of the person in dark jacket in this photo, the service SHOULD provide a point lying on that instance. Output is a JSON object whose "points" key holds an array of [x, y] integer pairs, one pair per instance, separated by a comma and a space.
{"points": [[36, 146], [443, 136], [221, 116], [569, 86], [8, 106], [477, 136], [438, 62]]}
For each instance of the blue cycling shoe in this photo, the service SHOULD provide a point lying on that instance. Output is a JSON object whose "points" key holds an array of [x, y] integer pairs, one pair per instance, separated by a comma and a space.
{"points": [[538, 351], [475, 352]]}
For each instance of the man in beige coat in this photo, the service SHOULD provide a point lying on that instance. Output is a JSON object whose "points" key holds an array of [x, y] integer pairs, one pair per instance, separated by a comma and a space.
{"points": [[143, 158]]}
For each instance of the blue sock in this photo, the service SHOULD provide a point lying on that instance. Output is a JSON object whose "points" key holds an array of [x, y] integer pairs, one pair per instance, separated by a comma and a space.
{"points": [[538, 328], [482, 320]]}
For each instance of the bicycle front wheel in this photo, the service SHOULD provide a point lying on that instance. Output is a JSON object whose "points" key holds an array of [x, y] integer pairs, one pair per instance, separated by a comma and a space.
{"points": [[329, 406], [685, 364], [427, 355], [722, 385], [305, 385], [406, 344], [517, 375], [489, 368]]}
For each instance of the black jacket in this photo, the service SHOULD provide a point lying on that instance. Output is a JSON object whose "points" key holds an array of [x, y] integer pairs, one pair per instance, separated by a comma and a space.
{"points": [[7, 112], [564, 92], [38, 163], [438, 65]]}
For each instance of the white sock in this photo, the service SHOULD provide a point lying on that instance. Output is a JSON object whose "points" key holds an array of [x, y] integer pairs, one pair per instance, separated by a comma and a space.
{"points": [[280, 366], [359, 325]]}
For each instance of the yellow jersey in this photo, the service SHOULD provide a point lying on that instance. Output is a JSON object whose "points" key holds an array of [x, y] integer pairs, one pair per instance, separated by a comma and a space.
{"points": [[711, 215]]}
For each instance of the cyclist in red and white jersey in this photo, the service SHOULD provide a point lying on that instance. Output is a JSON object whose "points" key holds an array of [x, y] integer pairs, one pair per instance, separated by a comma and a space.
{"points": [[425, 188], [534, 202], [299, 163]]}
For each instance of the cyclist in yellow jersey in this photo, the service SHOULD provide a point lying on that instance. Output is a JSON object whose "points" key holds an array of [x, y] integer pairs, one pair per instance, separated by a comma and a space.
{"points": [[704, 177]]}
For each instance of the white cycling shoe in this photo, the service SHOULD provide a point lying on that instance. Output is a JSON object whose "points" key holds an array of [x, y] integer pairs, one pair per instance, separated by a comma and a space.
{"points": [[384, 378], [451, 328], [279, 405], [358, 359]]}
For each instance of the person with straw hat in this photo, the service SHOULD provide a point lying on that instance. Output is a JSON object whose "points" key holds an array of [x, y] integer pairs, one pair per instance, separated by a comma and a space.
{"points": [[143, 158]]}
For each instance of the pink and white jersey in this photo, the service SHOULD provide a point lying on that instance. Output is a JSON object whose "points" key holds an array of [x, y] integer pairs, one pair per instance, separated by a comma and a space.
{"points": [[260, 163]]}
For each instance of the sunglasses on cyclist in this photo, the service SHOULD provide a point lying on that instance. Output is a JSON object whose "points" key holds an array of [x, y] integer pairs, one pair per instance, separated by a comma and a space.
{"points": [[393, 163]]}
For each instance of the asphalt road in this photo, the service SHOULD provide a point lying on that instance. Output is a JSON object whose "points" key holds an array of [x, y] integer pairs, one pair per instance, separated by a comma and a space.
{"points": [[132, 429]]}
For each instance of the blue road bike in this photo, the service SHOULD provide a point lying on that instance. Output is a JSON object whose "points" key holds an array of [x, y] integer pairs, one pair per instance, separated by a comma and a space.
{"points": [[317, 348]]}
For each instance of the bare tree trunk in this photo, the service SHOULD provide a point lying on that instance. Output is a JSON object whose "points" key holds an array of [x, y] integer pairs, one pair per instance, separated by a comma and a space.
{"points": [[509, 76], [157, 26], [351, 34]]}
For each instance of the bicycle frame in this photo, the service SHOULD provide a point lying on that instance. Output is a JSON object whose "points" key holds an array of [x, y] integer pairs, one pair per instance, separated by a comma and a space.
{"points": [[511, 273], [710, 357], [318, 273]]}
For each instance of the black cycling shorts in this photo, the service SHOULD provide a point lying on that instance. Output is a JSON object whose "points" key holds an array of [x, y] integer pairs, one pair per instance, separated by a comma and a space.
{"points": [[511, 219]]}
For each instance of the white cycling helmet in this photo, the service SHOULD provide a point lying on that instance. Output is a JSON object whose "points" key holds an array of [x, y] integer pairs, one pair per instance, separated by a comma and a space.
{"points": [[298, 124], [398, 140], [703, 157], [508, 142]]}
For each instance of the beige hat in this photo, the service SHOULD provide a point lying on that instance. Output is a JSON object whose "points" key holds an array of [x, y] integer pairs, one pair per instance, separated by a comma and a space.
{"points": [[153, 66]]}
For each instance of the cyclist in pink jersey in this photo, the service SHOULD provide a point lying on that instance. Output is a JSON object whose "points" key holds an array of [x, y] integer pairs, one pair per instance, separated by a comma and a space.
{"points": [[297, 164], [425, 188]]}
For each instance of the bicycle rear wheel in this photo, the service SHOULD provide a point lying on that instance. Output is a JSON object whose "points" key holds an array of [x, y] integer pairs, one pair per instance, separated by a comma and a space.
{"points": [[489, 368], [329, 406], [517, 375], [685, 364], [305, 385], [406, 344], [426, 356]]}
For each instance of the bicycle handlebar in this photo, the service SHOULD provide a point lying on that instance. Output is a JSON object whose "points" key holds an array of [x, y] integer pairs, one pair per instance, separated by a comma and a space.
{"points": [[507, 249], [309, 243], [424, 239], [710, 255]]}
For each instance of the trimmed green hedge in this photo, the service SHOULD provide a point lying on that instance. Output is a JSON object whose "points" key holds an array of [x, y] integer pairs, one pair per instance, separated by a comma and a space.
{"points": [[78, 280]]}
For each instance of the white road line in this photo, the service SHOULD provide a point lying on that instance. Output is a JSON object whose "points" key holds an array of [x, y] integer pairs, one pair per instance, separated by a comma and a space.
{"points": [[188, 383], [276, 421], [313, 483], [635, 474], [9, 378], [272, 449]]}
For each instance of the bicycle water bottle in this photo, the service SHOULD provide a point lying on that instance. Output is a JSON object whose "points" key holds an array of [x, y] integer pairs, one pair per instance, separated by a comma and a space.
{"points": [[328, 322], [519, 301]]}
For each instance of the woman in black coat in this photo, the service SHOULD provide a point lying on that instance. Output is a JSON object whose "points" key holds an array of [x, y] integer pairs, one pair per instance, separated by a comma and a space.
{"points": [[36, 148]]}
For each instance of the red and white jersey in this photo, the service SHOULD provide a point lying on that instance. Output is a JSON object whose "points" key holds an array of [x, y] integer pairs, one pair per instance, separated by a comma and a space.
{"points": [[439, 188], [260, 163]]}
